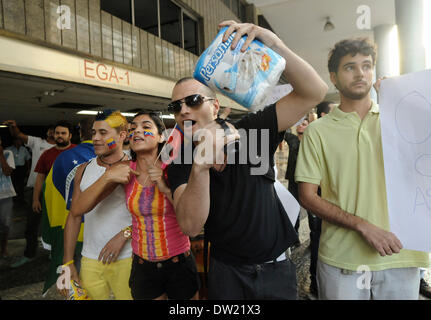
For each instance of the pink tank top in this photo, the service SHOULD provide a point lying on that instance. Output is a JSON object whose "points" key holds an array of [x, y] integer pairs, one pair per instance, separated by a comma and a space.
{"points": [[156, 234]]}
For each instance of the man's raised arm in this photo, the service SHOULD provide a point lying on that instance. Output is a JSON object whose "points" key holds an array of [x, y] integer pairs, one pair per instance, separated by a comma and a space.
{"points": [[15, 132], [308, 88]]}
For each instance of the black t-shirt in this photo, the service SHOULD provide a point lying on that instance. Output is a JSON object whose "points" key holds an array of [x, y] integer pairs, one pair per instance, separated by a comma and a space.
{"points": [[247, 223]]}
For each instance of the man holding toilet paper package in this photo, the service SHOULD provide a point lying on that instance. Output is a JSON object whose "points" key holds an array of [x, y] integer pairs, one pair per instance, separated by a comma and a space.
{"points": [[225, 192]]}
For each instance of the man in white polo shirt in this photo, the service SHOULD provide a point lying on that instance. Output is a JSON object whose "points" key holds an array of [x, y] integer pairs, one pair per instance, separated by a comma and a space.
{"points": [[37, 146]]}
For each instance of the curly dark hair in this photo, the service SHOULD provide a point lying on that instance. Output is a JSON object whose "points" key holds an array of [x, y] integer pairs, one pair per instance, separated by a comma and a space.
{"points": [[64, 124], [352, 47]]}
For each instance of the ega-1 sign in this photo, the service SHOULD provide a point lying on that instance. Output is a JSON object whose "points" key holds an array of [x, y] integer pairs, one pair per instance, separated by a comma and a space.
{"points": [[105, 73]]}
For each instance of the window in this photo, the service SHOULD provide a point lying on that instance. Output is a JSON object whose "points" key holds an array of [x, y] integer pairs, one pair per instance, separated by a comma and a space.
{"points": [[191, 43], [237, 7], [170, 24], [262, 22], [242, 11], [163, 18], [175, 25], [146, 16], [234, 7], [123, 11]]}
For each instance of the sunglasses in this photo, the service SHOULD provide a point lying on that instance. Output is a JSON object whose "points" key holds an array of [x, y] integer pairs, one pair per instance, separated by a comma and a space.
{"points": [[192, 101]]}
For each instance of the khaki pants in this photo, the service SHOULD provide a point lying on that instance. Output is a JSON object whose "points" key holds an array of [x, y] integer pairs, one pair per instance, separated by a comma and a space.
{"points": [[391, 284]]}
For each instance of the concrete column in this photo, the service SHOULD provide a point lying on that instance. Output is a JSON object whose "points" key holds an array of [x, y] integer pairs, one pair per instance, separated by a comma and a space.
{"points": [[409, 18], [382, 37]]}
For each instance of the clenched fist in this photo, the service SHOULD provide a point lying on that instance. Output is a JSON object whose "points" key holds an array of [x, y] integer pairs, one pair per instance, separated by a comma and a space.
{"points": [[120, 173]]}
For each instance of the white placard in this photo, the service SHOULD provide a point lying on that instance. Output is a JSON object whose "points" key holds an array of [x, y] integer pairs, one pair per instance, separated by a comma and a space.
{"points": [[279, 92], [290, 205], [405, 115]]}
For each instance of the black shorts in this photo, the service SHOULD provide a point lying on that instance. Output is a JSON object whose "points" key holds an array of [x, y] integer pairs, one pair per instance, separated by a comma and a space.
{"points": [[177, 277]]}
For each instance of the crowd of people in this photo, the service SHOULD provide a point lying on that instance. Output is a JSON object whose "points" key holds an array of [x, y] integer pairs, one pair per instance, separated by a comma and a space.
{"points": [[138, 212]]}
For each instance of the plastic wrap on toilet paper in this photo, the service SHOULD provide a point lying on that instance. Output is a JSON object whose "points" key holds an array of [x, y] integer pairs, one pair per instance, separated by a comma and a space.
{"points": [[245, 77]]}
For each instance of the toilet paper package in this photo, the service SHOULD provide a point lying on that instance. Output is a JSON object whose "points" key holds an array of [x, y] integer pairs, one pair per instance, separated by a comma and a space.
{"points": [[245, 77]]}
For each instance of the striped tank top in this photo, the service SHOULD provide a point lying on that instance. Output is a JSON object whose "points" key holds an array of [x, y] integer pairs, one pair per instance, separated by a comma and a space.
{"points": [[156, 234]]}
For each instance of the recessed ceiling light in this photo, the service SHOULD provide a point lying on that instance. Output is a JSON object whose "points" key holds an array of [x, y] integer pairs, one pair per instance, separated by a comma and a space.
{"points": [[93, 113], [89, 112], [128, 114], [168, 116]]}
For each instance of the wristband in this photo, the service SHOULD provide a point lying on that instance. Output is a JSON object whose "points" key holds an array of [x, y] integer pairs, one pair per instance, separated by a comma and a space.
{"points": [[68, 263]]}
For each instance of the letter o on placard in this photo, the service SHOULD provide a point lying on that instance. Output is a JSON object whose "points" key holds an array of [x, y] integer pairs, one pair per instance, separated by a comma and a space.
{"points": [[413, 108]]}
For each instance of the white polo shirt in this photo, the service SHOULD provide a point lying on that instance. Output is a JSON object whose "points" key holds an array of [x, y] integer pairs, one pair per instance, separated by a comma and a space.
{"points": [[37, 146]]}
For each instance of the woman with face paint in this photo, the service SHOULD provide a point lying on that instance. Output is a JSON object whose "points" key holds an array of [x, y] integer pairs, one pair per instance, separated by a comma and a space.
{"points": [[163, 265]]}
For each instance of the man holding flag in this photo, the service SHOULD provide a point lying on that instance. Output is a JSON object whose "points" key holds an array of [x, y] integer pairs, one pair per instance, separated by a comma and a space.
{"points": [[63, 136], [57, 198]]}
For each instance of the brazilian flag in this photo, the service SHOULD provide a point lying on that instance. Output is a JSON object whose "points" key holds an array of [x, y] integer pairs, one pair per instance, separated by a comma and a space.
{"points": [[57, 198]]}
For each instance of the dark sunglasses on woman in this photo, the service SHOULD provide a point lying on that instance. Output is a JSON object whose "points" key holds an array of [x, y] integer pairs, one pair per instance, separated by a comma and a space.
{"points": [[192, 101]]}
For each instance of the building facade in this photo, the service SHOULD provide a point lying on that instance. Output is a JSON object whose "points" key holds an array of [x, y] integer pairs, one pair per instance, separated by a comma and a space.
{"points": [[132, 49]]}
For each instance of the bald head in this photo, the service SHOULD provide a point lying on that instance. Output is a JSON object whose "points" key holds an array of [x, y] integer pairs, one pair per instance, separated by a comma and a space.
{"points": [[202, 89]]}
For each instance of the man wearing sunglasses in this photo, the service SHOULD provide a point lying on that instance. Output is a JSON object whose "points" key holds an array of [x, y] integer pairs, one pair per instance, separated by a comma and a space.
{"points": [[244, 220]]}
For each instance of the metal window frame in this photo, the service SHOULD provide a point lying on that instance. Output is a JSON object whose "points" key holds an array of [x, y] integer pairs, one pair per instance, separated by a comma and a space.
{"points": [[192, 16], [244, 3], [197, 28], [159, 26], [183, 11], [132, 11], [132, 6], [182, 26]]}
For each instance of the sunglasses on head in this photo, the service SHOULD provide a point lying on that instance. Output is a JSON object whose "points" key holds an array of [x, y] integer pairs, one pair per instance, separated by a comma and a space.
{"points": [[192, 101]]}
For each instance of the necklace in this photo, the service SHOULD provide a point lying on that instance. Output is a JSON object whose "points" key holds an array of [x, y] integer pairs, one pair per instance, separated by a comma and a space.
{"points": [[110, 164]]}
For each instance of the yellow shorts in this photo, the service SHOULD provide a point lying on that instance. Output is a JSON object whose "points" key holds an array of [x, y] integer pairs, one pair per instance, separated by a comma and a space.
{"points": [[101, 279]]}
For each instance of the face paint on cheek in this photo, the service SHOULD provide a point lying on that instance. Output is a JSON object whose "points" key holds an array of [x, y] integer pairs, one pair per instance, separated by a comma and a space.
{"points": [[148, 133], [111, 143], [131, 135]]}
